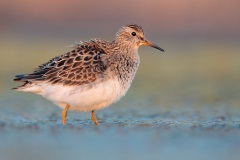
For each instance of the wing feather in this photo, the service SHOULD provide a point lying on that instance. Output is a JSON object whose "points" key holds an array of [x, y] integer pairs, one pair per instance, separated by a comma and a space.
{"points": [[84, 64]]}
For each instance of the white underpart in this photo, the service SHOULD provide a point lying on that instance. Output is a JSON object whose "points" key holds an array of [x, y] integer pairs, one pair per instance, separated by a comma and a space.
{"points": [[81, 98]]}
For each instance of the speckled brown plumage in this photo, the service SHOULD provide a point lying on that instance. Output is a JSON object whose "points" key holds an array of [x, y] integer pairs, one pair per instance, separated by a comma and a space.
{"points": [[83, 65], [93, 75]]}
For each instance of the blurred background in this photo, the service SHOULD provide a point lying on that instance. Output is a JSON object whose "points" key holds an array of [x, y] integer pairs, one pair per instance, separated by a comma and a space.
{"points": [[188, 96]]}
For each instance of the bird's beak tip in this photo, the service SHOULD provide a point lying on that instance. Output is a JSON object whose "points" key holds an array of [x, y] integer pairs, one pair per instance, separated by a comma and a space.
{"points": [[148, 43]]}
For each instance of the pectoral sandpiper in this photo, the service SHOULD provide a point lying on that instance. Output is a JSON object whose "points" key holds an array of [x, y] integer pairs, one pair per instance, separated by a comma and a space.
{"points": [[92, 76]]}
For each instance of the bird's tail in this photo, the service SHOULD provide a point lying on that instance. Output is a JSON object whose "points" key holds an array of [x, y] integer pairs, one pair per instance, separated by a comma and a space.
{"points": [[21, 78]]}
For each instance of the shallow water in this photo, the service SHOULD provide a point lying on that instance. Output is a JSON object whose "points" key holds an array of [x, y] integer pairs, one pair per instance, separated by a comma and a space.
{"points": [[125, 132], [180, 106]]}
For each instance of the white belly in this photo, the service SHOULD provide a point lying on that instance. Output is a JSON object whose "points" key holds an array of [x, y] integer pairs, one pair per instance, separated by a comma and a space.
{"points": [[84, 98]]}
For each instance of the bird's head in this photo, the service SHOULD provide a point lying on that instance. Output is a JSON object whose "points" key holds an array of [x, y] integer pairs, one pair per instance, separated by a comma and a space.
{"points": [[134, 35]]}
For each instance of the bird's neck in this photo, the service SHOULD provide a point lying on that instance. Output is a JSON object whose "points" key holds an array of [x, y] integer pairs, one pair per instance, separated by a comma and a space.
{"points": [[126, 48]]}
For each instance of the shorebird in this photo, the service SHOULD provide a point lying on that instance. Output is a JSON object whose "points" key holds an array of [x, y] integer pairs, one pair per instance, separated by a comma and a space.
{"points": [[93, 75]]}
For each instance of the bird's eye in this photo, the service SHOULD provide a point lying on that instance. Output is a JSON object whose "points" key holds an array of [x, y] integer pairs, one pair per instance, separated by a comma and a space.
{"points": [[133, 33]]}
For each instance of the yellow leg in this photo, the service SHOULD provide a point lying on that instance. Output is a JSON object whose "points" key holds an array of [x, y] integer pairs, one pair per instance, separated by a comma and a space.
{"points": [[64, 115], [94, 118]]}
